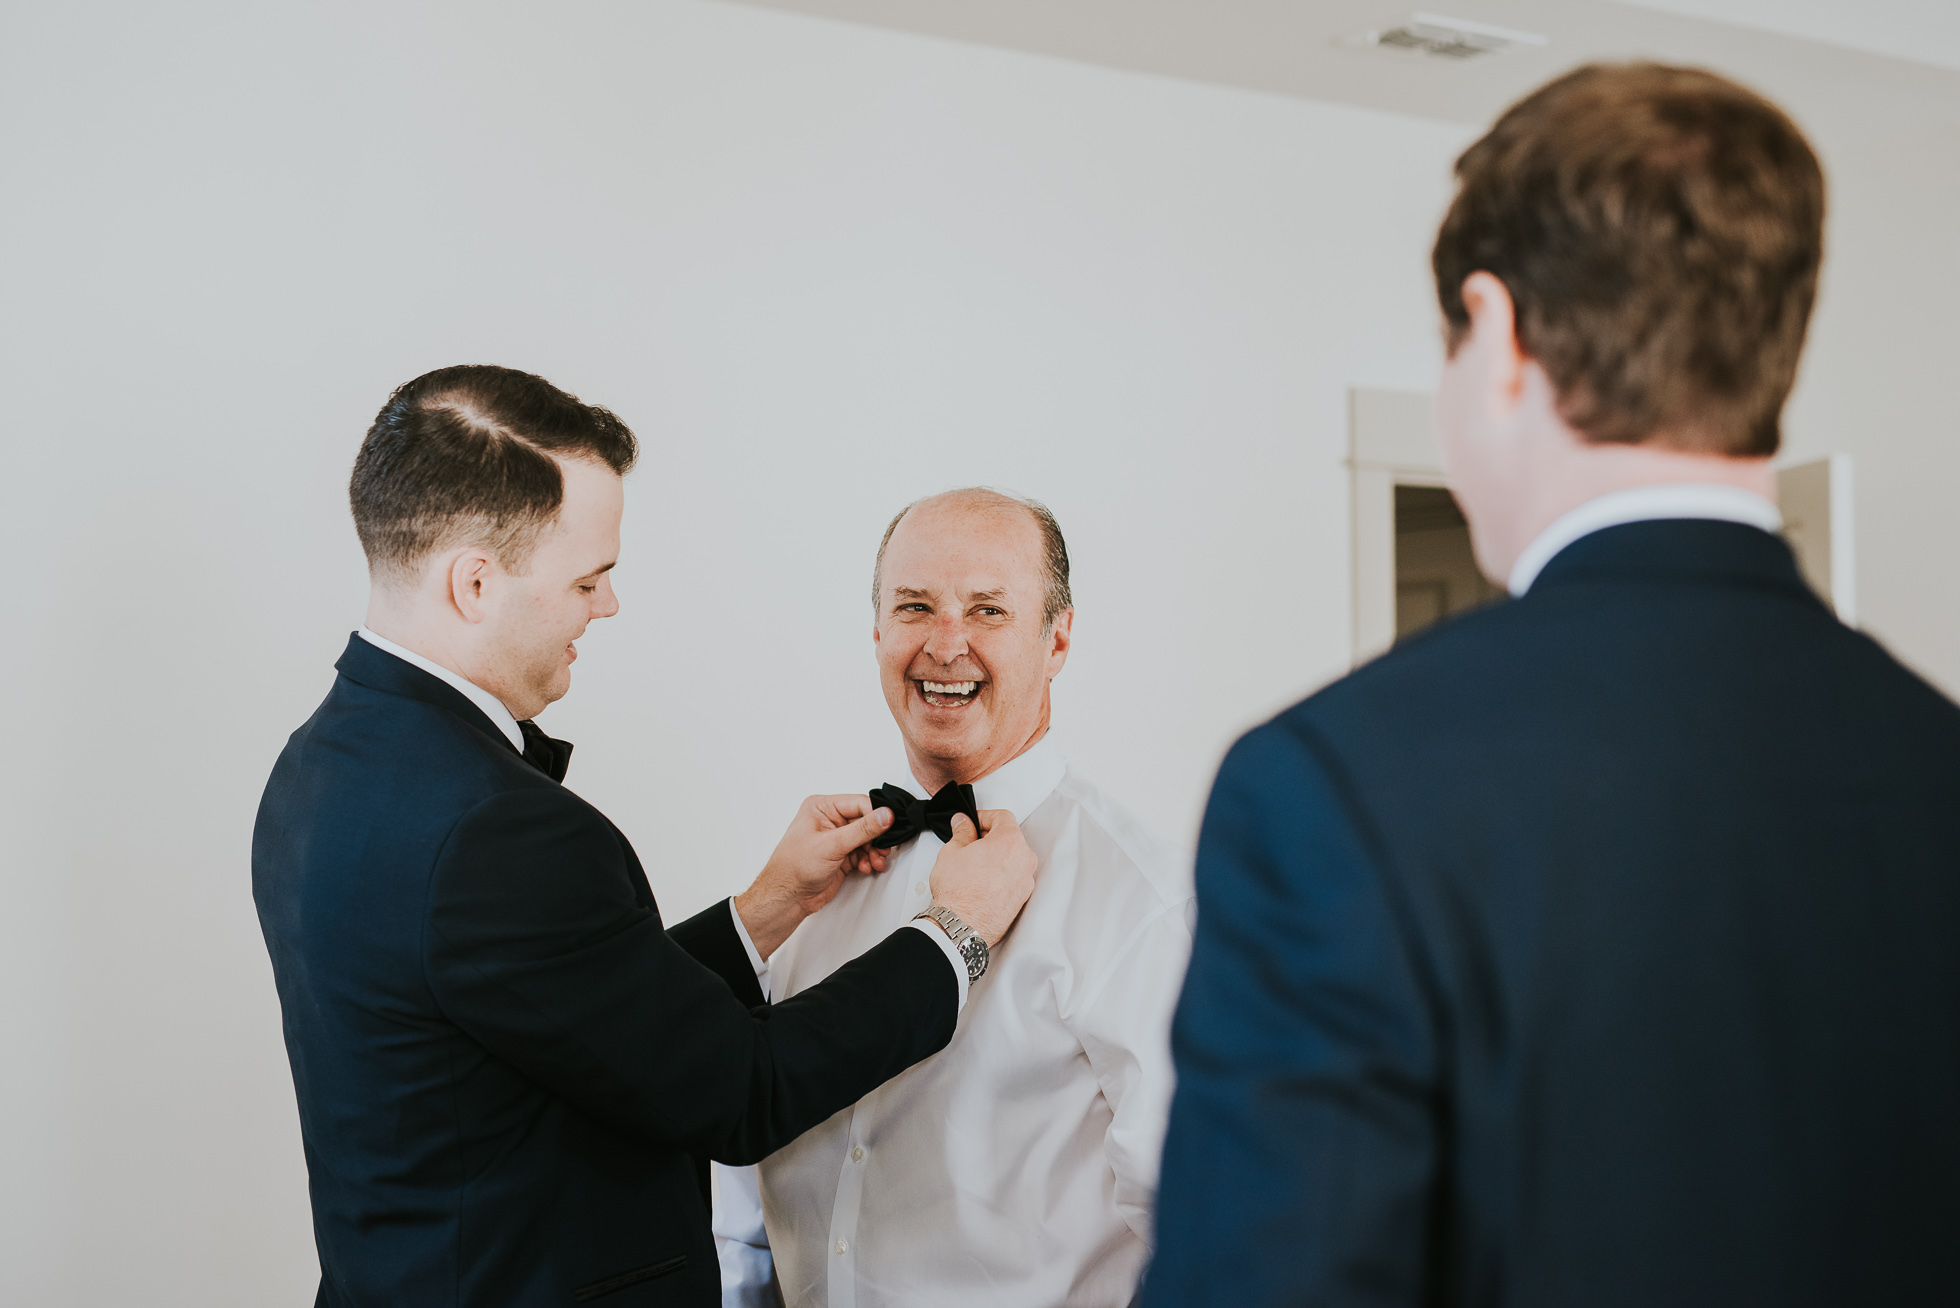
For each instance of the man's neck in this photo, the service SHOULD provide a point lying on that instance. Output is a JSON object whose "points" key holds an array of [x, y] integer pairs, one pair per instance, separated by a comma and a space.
{"points": [[1577, 472], [410, 636], [935, 773]]}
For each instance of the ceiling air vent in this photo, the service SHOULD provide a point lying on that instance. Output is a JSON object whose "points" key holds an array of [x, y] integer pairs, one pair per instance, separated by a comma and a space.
{"points": [[1431, 36]]}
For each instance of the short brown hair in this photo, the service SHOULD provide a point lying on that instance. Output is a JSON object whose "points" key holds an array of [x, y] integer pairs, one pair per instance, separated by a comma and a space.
{"points": [[1054, 550], [464, 455], [1659, 230]]}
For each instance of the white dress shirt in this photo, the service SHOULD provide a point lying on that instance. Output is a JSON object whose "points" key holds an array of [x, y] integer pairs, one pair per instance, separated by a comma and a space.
{"points": [[1686, 499], [1017, 1167], [493, 708]]}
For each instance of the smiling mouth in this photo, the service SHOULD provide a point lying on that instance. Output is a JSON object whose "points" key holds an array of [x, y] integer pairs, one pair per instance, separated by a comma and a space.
{"points": [[949, 694]]}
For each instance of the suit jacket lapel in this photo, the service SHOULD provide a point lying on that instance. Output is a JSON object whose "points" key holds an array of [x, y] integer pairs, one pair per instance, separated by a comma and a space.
{"points": [[377, 669]]}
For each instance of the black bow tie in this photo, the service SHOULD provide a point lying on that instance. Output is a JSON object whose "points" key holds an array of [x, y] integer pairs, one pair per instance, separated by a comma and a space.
{"points": [[911, 816], [543, 753]]}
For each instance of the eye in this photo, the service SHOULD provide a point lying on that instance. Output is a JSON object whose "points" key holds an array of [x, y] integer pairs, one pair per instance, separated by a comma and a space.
{"points": [[991, 611], [584, 589], [913, 607]]}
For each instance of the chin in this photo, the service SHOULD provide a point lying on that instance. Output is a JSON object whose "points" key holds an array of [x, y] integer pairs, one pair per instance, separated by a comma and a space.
{"points": [[551, 691], [947, 746]]}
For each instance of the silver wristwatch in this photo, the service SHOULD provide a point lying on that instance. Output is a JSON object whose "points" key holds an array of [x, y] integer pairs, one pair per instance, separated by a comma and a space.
{"points": [[972, 948]]}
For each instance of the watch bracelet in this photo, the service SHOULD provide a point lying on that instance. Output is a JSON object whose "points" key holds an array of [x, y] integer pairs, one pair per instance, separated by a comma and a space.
{"points": [[956, 930]]}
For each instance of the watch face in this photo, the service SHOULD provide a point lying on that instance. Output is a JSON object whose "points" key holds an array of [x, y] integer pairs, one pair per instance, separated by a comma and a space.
{"points": [[975, 953]]}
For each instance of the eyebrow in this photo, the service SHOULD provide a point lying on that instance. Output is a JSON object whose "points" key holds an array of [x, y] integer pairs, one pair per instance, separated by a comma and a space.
{"points": [[602, 569], [977, 597]]}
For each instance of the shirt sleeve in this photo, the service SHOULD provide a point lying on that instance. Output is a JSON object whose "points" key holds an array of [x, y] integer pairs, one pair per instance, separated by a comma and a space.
{"points": [[748, 1271], [1125, 1033], [756, 960]]}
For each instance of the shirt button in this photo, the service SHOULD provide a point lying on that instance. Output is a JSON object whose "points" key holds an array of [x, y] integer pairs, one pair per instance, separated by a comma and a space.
{"points": [[857, 1156], [918, 887], [843, 1246]]}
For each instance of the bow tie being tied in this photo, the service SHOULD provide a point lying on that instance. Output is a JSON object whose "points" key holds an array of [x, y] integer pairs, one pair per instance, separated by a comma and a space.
{"points": [[543, 753], [910, 816]]}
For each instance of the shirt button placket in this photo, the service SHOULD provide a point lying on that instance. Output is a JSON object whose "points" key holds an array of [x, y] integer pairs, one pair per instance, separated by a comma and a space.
{"points": [[844, 1220]]}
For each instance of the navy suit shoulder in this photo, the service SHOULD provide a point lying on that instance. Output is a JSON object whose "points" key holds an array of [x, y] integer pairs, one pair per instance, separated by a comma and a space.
{"points": [[509, 1072], [1594, 947], [1668, 607]]}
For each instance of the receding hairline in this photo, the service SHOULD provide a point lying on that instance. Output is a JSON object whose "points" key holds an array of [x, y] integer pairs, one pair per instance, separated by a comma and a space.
{"points": [[1050, 552], [977, 500]]}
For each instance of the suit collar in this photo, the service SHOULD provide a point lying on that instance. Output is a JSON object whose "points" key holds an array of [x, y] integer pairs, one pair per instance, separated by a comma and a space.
{"points": [[1678, 549], [1691, 499], [1024, 782], [369, 665], [494, 708]]}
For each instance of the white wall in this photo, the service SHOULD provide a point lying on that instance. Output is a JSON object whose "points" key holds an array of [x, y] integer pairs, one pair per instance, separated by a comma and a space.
{"points": [[821, 270], [1878, 379], [1926, 31]]}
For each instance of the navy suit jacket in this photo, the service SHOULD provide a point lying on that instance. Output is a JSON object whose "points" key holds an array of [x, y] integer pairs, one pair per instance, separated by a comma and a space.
{"points": [[1598, 948], [510, 1075]]}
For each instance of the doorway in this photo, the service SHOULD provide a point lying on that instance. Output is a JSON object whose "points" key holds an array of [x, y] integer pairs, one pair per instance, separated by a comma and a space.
{"points": [[1436, 572]]}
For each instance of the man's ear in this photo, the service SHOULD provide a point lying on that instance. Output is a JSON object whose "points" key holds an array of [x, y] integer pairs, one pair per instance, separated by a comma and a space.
{"points": [[1058, 641], [468, 572], [1493, 336]]}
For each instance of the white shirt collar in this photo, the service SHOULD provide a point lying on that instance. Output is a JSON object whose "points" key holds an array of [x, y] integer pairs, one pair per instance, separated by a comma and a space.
{"points": [[1022, 783], [493, 708], [1691, 499]]}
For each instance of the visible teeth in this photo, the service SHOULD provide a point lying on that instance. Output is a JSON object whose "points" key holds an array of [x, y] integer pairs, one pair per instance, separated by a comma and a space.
{"points": [[950, 687]]}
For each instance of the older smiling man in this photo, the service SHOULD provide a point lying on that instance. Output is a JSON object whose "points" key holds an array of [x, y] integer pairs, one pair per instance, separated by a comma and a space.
{"points": [[1018, 1167]]}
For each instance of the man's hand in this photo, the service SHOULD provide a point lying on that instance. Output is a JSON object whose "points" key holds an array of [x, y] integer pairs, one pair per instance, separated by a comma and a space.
{"points": [[985, 879], [828, 840]]}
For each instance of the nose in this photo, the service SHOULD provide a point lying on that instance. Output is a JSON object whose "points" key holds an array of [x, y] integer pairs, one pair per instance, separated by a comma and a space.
{"points": [[604, 602], [948, 639]]}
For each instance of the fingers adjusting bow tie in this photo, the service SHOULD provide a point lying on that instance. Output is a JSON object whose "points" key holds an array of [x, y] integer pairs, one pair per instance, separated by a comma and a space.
{"points": [[910, 816], [543, 753]]}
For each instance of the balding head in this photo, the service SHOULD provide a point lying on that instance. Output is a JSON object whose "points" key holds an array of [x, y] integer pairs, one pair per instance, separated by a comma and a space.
{"points": [[1052, 549]]}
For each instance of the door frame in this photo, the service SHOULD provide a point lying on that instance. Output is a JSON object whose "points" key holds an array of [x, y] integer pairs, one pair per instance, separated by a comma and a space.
{"points": [[1391, 442]]}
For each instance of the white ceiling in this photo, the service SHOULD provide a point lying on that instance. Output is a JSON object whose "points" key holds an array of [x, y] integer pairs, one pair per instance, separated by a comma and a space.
{"points": [[1832, 63], [1924, 30]]}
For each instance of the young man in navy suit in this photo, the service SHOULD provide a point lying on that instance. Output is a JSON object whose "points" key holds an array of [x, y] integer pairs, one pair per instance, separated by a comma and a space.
{"points": [[1599, 947], [511, 1074]]}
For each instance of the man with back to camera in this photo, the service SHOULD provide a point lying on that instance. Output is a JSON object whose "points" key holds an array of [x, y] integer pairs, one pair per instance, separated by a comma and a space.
{"points": [[1017, 1168], [1598, 947], [509, 1075]]}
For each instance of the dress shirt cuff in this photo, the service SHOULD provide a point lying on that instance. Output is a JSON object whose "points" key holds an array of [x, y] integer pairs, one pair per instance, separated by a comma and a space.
{"points": [[946, 947], [756, 959]]}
